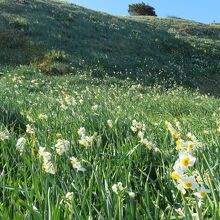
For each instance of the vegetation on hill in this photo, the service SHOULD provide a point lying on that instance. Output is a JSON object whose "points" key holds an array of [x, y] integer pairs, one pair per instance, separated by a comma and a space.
{"points": [[147, 48]]}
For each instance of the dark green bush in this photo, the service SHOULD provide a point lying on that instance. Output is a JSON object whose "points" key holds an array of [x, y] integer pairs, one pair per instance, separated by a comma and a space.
{"points": [[12, 39], [141, 9], [11, 118]]}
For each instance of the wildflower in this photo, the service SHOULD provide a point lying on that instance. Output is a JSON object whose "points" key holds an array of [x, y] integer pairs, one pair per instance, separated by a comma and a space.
{"points": [[95, 107], [180, 213], [176, 174], [198, 177], [189, 183], [69, 100], [44, 154], [67, 201], [190, 146], [131, 194], [62, 146], [141, 134], [116, 188], [29, 130], [177, 123], [185, 160], [4, 135], [49, 167], [181, 188], [86, 141], [20, 145], [81, 131], [76, 164], [202, 193], [35, 208], [179, 144], [146, 143], [120, 187], [69, 196], [134, 129], [137, 126], [29, 118], [109, 122], [42, 116], [175, 134]]}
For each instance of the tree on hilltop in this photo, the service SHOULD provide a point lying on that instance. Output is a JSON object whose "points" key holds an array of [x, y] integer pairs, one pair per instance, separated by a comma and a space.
{"points": [[141, 9]]}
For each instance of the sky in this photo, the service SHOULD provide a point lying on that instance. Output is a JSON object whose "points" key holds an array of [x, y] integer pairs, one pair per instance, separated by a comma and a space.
{"points": [[205, 11]]}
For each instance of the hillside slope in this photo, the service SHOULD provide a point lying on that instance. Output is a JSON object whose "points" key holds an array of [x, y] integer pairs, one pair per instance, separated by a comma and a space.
{"points": [[151, 49]]}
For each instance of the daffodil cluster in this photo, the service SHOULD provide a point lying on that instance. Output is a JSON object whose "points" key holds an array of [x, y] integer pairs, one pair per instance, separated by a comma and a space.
{"points": [[139, 128], [182, 169], [20, 145], [4, 135], [62, 146], [66, 101], [175, 133], [85, 140], [48, 165], [67, 200], [76, 164], [118, 188]]}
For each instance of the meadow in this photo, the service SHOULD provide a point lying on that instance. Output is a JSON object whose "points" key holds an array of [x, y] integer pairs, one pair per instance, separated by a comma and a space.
{"points": [[79, 147], [106, 117]]}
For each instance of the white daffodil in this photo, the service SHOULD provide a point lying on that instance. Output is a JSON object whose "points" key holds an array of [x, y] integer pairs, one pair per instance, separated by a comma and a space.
{"points": [[86, 141], [137, 126], [180, 213], [131, 194], [146, 143], [116, 188], [76, 164], [29, 129], [95, 107], [81, 131], [202, 193], [134, 129], [49, 167], [44, 154], [189, 183], [177, 174], [20, 145], [4, 135], [140, 134], [181, 188], [185, 160], [43, 117], [62, 146], [110, 124], [69, 196]]}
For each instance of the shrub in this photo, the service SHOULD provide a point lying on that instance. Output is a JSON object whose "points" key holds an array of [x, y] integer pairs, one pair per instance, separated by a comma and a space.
{"points": [[141, 9], [54, 62]]}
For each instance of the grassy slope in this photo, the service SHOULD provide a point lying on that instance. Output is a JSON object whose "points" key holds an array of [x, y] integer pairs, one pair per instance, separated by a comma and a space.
{"points": [[152, 49]]}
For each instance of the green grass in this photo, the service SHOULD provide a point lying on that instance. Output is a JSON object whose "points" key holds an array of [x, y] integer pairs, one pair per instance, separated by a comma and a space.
{"points": [[115, 156], [120, 69]]}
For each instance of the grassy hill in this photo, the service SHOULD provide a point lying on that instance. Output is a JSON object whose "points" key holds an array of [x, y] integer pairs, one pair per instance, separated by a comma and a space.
{"points": [[151, 49], [101, 118]]}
